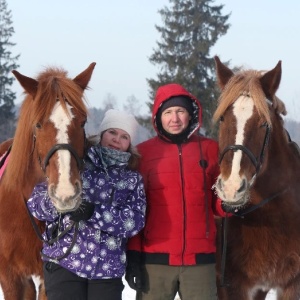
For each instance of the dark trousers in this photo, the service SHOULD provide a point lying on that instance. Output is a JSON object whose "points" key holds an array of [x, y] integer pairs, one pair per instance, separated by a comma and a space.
{"points": [[62, 284]]}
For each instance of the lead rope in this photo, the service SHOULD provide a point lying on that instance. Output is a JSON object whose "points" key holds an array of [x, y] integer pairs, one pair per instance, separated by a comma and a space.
{"points": [[60, 235], [225, 230], [71, 246], [224, 225]]}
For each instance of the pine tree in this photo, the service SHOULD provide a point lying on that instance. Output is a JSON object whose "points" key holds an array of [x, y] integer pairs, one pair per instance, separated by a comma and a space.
{"points": [[191, 28], [7, 64]]}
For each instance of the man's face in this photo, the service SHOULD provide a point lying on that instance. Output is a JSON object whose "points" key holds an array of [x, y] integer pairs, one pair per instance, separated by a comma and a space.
{"points": [[175, 119]]}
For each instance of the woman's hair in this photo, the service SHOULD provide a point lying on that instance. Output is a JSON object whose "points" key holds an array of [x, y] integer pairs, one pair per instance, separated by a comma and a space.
{"points": [[134, 158]]}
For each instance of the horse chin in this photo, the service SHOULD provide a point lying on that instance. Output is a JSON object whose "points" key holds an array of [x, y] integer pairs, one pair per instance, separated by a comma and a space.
{"points": [[67, 206], [235, 205]]}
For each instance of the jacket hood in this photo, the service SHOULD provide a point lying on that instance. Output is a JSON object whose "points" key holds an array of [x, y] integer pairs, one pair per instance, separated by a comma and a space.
{"points": [[167, 91]]}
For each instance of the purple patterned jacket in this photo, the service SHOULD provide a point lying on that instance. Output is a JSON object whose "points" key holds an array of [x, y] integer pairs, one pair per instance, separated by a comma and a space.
{"points": [[118, 193]]}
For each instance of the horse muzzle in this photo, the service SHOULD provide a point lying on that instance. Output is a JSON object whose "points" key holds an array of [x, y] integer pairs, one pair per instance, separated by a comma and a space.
{"points": [[65, 199], [234, 193]]}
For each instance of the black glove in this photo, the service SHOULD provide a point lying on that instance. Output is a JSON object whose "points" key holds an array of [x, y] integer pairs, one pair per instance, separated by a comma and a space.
{"points": [[133, 274], [83, 212]]}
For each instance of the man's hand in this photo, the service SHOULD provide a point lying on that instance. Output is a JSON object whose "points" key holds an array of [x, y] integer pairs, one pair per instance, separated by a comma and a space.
{"points": [[133, 274]]}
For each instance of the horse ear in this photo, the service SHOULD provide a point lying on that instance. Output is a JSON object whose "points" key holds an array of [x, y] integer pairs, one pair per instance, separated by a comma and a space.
{"points": [[270, 81], [223, 73], [30, 85], [84, 77]]}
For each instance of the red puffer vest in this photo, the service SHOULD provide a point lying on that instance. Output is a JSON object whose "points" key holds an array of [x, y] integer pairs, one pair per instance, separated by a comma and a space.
{"points": [[181, 205]]}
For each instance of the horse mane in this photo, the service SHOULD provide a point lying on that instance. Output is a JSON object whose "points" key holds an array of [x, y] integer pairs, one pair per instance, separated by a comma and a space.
{"points": [[247, 83], [53, 86], [279, 106]]}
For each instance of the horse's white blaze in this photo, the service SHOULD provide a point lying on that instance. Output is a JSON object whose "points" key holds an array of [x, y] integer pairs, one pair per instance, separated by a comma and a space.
{"points": [[253, 291], [242, 110], [61, 122]]}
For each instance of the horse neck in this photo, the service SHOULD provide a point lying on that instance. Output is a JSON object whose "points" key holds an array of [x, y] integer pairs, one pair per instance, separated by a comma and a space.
{"points": [[24, 181], [36, 176], [281, 150], [280, 167], [23, 170]]}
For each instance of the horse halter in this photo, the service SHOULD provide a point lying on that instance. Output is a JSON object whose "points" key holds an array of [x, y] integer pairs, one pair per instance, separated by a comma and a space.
{"points": [[60, 147], [57, 147], [257, 162]]}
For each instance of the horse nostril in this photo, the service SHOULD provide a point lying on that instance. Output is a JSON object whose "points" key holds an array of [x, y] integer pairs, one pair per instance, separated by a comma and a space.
{"points": [[51, 190], [78, 187], [219, 183], [242, 186]]}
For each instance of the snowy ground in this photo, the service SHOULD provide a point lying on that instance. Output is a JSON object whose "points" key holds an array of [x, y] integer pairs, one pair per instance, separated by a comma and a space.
{"points": [[129, 294]]}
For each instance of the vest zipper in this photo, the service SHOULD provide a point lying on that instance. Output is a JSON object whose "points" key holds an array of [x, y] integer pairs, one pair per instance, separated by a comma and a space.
{"points": [[183, 202]]}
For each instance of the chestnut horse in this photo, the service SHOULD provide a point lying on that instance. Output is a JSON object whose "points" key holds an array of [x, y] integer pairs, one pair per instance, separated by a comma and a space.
{"points": [[48, 145], [259, 185]]}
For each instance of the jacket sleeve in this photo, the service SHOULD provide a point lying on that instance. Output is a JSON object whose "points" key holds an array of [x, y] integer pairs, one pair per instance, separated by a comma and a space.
{"points": [[135, 243], [40, 204], [123, 218]]}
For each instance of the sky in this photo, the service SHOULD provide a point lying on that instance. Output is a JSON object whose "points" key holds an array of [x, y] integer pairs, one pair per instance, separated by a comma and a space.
{"points": [[120, 37]]}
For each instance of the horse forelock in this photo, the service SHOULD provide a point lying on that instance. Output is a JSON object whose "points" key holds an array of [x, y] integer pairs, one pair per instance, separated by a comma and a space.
{"points": [[54, 85], [244, 83]]}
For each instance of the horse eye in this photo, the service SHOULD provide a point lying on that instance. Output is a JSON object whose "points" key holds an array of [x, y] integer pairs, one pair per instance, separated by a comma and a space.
{"points": [[38, 125], [221, 119], [83, 124]]}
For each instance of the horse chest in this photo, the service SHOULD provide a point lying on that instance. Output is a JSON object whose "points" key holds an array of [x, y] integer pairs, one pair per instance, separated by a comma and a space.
{"points": [[262, 252]]}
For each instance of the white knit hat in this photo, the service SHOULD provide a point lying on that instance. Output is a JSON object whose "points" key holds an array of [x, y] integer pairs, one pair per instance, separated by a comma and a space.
{"points": [[119, 119]]}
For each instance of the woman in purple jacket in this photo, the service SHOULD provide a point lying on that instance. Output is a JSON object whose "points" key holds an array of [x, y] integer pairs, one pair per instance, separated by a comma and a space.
{"points": [[88, 261]]}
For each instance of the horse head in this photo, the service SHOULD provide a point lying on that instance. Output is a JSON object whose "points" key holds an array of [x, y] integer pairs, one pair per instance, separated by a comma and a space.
{"points": [[52, 116], [246, 110]]}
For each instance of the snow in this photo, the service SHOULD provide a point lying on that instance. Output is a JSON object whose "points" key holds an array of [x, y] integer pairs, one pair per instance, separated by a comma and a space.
{"points": [[129, 294]]}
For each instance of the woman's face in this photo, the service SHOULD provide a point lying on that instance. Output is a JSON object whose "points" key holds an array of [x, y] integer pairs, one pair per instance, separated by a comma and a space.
{"points": [[115, 138]]}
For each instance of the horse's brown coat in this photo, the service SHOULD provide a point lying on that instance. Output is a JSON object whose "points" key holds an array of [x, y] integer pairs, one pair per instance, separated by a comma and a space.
{"points": [[263, 247], [19, 245]]}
